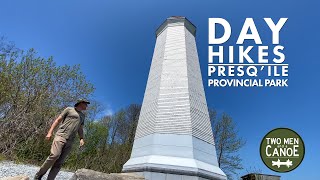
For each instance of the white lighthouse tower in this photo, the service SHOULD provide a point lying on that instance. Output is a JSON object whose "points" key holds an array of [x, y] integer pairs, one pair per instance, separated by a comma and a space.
{"points": [[174, 138]]}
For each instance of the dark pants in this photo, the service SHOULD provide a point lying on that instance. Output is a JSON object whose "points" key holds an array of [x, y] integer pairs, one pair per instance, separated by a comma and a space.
{"points": [[60, 148]]}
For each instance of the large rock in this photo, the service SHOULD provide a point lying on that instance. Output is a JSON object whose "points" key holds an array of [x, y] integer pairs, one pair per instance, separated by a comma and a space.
{"points": [[86, 174], [21, 177]]}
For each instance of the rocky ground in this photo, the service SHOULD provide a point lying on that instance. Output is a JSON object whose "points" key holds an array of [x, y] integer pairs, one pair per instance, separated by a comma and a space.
{"points": [[86, 174], [10, 169]]}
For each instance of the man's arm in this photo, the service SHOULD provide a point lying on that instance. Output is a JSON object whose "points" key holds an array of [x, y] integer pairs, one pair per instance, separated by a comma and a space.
{"points": [[80, 132], [53, 126]]}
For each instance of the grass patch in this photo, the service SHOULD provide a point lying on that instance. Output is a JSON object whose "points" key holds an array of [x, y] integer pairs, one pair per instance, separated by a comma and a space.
{"points": [[2, 157]]}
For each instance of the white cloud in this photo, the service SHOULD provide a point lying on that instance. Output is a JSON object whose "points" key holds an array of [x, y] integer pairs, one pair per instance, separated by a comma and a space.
{"points": [[107, 112]]}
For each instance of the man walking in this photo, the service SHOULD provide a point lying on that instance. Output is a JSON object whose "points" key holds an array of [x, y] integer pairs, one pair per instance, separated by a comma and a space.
{"points": [[72, 121]]}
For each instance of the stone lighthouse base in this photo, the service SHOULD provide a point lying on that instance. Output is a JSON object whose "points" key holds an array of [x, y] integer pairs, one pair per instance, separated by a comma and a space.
{"points": [[167, 176], [173, 168], [173, 157]]}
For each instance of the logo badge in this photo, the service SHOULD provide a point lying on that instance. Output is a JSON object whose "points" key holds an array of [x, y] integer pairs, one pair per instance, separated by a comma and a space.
{"points": [[282, 150]]}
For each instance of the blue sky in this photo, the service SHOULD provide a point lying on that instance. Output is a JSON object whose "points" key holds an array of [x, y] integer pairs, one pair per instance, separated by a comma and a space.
{"points": [[114, 41]]}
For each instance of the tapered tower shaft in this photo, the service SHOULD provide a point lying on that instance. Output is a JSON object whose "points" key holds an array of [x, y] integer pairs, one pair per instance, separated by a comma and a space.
{"points": [[174, 139]]}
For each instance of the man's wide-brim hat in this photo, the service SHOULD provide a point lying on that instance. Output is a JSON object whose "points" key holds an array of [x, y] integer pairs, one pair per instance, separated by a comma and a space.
{"points": [[81, 101]]}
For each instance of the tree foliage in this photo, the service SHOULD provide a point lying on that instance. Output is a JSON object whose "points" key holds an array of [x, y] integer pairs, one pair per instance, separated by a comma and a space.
{"points": [[227, 143], [33, 90]]}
